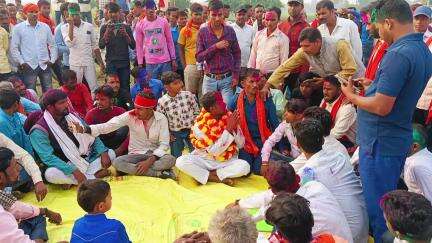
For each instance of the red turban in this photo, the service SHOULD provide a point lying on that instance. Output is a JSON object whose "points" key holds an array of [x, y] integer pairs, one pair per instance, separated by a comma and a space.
{"points": [[30, 7], [145, 102]]}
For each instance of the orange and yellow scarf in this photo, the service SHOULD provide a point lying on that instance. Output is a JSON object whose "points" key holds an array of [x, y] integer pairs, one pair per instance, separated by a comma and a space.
{"points": [[212, 130]]}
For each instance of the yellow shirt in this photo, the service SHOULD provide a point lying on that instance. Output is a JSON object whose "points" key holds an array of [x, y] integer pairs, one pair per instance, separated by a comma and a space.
{"points": [[189, 44], [346, 61], [4, 47]]}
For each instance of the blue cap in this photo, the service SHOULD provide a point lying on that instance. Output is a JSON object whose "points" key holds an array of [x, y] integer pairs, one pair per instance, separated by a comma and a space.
{"points": [[423, 10], [150, 4]]}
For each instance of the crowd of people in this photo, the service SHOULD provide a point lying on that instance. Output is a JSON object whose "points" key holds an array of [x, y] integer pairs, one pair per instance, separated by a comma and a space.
{"points": [[334, 113]]}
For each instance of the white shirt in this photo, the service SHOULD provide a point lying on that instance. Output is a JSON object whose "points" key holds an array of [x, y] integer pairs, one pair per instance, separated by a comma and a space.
{"points": [[83, 44], [345, 29], [345, 121], [33, 45], [334, 170], [426, 97], [284, 129], [245, 38], [328, 215], [330, 144], [269, 52], [23, 158], [418, 173], [139, 141]]}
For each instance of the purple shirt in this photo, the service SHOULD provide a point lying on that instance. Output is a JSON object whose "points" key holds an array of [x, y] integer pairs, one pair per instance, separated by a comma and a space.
{"points": [[219, 61]]}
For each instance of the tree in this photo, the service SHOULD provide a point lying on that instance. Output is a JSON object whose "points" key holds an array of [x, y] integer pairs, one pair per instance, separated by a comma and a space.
{"points": [[235, 4]]}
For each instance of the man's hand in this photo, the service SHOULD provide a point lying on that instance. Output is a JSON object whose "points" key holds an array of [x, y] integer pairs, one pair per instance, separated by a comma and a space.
{"points": [[194, 237], [174, 65], [232, 122], [122, 30], [348, 89], [53, 217], [234, 83], [79, 176], [102, 67], [40, 190], [264, 168], [222, 44], [143, 166], [265, 91], [365, 82], [105, 160], [69, 20], [49, 63]]}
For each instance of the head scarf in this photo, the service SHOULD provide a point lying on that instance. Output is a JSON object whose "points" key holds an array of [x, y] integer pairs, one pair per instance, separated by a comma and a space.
{"points": [[144, 102], [30, 7]]}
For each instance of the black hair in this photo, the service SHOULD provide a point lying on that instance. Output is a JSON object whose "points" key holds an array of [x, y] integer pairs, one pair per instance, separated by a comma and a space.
{"points": [[171, 9], [147, 93], [113, 7], [325, 4], [306, 76], [42, 3], [196, 8], [247, 72], [105, 90], [138, 4], [64, 7], [309, 134], [259, 6], [169, 77], [6, 156], [92, 192], [208, 100], [296, 106], [321, 115], [280, 176], [8, 97], [53, 96], [398, 10], [310, 34], [276, 10], [215, 5], [226, 6], [333, 81], [408, 213], [291, 215], [77, 7], [182, 13], [68, 74], [10, 5]]}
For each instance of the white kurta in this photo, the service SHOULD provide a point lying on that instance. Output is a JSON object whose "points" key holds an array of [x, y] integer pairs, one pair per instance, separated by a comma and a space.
{"points": [[327, 214], [418, 173], [200, 162], [345, 121], [334, 170]]}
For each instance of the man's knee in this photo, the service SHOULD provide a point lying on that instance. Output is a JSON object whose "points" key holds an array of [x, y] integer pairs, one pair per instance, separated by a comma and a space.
{"points": [[52, 174], [182, 162], [168, 160], [243, 167]]}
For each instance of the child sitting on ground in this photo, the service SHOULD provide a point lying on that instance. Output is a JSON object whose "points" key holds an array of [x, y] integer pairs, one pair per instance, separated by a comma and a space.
{"points": [[408, 216], [78, 93], [32, 224], [180, 108], [143, 81], [94, 196]]}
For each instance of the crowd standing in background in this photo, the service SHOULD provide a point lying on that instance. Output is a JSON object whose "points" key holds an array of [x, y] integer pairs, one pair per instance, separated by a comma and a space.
{"points": [[335, 113]]}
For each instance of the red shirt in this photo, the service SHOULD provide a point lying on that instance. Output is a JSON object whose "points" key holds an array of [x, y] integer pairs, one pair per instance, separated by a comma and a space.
{"points": [[377, 54], [47, 21], [293, 30], [98, 116], [80, 98]]}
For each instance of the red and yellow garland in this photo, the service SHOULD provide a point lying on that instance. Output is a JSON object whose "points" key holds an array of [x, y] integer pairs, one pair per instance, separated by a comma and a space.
{"points": [[212, 129]]}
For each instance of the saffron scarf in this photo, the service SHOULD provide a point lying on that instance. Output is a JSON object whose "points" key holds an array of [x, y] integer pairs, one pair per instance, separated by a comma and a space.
{"points": [[375, 59], [276, 237], [265, 132], [339, 102], [211, 130], [48, 21], [189, 26]]}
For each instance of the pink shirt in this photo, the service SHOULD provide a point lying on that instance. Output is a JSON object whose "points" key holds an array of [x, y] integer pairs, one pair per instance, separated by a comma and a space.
{"points": [[9, 231], [154, 41], [284, 129]]}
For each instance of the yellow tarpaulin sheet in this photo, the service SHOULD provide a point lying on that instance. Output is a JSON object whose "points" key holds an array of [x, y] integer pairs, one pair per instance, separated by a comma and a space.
{"points": [[153, 210]]}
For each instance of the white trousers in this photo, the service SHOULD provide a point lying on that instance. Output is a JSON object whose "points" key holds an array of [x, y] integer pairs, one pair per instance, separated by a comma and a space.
{"points": [[56, 176], [89, 72], [199, 168]]}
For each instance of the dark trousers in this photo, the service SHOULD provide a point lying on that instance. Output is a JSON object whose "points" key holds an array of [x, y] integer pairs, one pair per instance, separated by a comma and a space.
{"points": [[254, 161], [35, 228], [181, 138]]}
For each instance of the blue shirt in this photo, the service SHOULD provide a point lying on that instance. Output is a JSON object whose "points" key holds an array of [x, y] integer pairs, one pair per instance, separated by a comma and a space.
{"points": [[403, 73], [175, 32], [155, 85], [29, 106], [30, 45], [61, 45], [97, 228], [12, 126], [252, 118]]}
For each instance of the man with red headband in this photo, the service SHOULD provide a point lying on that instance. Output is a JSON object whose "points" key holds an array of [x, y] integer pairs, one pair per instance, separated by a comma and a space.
{"points": [[258, 118], [343, 113], [148, 140], [281, 177], [33, 47], [270, 46], [217, 138]]}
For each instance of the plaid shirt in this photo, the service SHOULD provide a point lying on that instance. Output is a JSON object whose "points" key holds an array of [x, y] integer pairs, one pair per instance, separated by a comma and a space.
{"points": [[293, 30], [219, 61], [6, 200], [180, 110]]}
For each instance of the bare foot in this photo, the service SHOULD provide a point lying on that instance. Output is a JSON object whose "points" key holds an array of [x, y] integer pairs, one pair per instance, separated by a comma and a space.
{"points": [[102, 173], [228, 182], [214, 178]]}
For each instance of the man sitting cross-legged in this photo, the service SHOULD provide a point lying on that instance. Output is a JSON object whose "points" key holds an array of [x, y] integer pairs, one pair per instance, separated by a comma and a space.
{"points": [[71, 157], [217, 138], [148, 139]]}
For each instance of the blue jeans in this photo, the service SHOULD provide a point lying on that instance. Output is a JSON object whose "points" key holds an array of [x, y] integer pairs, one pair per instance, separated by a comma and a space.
{"points": [[379, 174], [181, 137], [35, 228], [58, 17], [123, 74], [23, 179], [156, 70], [254, 161], [87, 17], [30, 77], [223, 85]]}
